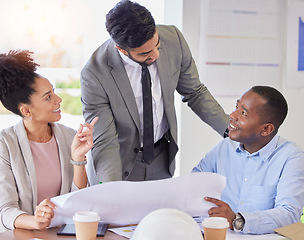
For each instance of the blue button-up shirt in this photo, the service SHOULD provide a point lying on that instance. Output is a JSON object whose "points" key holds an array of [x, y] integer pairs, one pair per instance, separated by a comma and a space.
{"points": [[266, 187]]}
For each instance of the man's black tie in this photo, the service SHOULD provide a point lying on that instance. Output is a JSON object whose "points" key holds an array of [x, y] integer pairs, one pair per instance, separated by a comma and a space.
{"points": [[148, 135]]}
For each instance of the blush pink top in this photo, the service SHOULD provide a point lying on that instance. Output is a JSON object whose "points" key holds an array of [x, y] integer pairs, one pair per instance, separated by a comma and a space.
{"points": [[48, 170]]}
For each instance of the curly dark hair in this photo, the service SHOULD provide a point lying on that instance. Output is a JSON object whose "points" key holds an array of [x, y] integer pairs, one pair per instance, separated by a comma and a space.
{"points": [[130, 25], [17, 77]]}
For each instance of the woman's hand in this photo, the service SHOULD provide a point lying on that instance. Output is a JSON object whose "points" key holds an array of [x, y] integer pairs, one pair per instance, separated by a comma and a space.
{"points": [[44, 214], [83, 141], [41, 219]]}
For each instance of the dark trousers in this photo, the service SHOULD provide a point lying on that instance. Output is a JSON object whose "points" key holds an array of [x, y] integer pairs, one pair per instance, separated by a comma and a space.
{"points": [[157, 169]]}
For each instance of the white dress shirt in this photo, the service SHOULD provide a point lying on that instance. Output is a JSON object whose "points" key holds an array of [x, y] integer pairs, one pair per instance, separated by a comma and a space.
{"points": [[266, 186], [134, 70]]}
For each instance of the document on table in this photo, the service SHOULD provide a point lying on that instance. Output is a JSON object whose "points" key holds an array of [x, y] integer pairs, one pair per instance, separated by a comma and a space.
{"points": [[127, 232], [231, 235], [124, 202]]}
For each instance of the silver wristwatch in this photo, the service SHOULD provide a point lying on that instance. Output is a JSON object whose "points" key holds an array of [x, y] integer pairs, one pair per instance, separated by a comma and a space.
{"points": [[238, 223]]}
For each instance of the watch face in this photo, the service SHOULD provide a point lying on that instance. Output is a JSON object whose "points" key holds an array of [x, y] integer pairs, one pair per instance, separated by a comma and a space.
{"points": [[239, 224]]}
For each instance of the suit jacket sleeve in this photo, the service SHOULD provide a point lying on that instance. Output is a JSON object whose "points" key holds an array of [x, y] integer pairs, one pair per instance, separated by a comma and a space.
{"points": [[196, 94], [9, 197], [105, 154]]}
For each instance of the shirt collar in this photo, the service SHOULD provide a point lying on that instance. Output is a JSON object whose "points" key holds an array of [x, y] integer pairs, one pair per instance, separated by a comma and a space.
{"points": [[264, 153], [127, 60]]}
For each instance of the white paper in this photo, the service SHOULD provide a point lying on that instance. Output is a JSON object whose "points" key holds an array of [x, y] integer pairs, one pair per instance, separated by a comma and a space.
{"points": [[127, 232], [124, 202], [231, 235]]}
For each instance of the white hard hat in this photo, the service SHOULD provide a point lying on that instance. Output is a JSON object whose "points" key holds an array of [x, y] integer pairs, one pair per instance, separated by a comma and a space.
{"points": [[167, 224]]}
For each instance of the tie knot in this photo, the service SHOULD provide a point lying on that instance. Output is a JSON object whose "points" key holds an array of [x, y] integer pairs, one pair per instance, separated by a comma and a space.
{"points": [[145, 73], [144, 66]]}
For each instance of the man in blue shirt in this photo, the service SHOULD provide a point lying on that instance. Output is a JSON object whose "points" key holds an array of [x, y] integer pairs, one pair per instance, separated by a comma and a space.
{"points": [[264, 172]]}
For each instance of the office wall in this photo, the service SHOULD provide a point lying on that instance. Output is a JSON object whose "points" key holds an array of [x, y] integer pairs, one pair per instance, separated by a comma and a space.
{"points": [[195, 137]]}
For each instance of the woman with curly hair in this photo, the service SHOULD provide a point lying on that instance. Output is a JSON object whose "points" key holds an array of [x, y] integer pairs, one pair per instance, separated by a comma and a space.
{"points": [[39, 159]]}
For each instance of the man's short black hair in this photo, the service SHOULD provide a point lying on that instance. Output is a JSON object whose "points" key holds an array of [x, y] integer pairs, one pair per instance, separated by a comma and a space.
{"points": [[130, 25], [276, 107]]}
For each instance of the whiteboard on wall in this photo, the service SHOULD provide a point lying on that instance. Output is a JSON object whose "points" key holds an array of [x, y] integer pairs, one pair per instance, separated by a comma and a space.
{"points": [[241, 45], [295, 45]]}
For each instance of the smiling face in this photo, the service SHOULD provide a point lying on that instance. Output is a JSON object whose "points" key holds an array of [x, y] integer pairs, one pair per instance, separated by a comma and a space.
{"points": [[147, 53], [247, 124], [45, 104]]}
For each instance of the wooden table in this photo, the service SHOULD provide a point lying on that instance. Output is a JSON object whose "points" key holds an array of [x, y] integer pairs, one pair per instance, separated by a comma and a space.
{"points": [[50, 234]]}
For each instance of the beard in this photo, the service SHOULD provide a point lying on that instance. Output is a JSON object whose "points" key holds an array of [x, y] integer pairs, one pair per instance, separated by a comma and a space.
{"points": [[144, 63]]}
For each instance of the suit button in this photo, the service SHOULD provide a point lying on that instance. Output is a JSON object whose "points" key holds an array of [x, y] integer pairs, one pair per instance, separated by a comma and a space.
{"points": [[126, 173], [136, 150]]}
